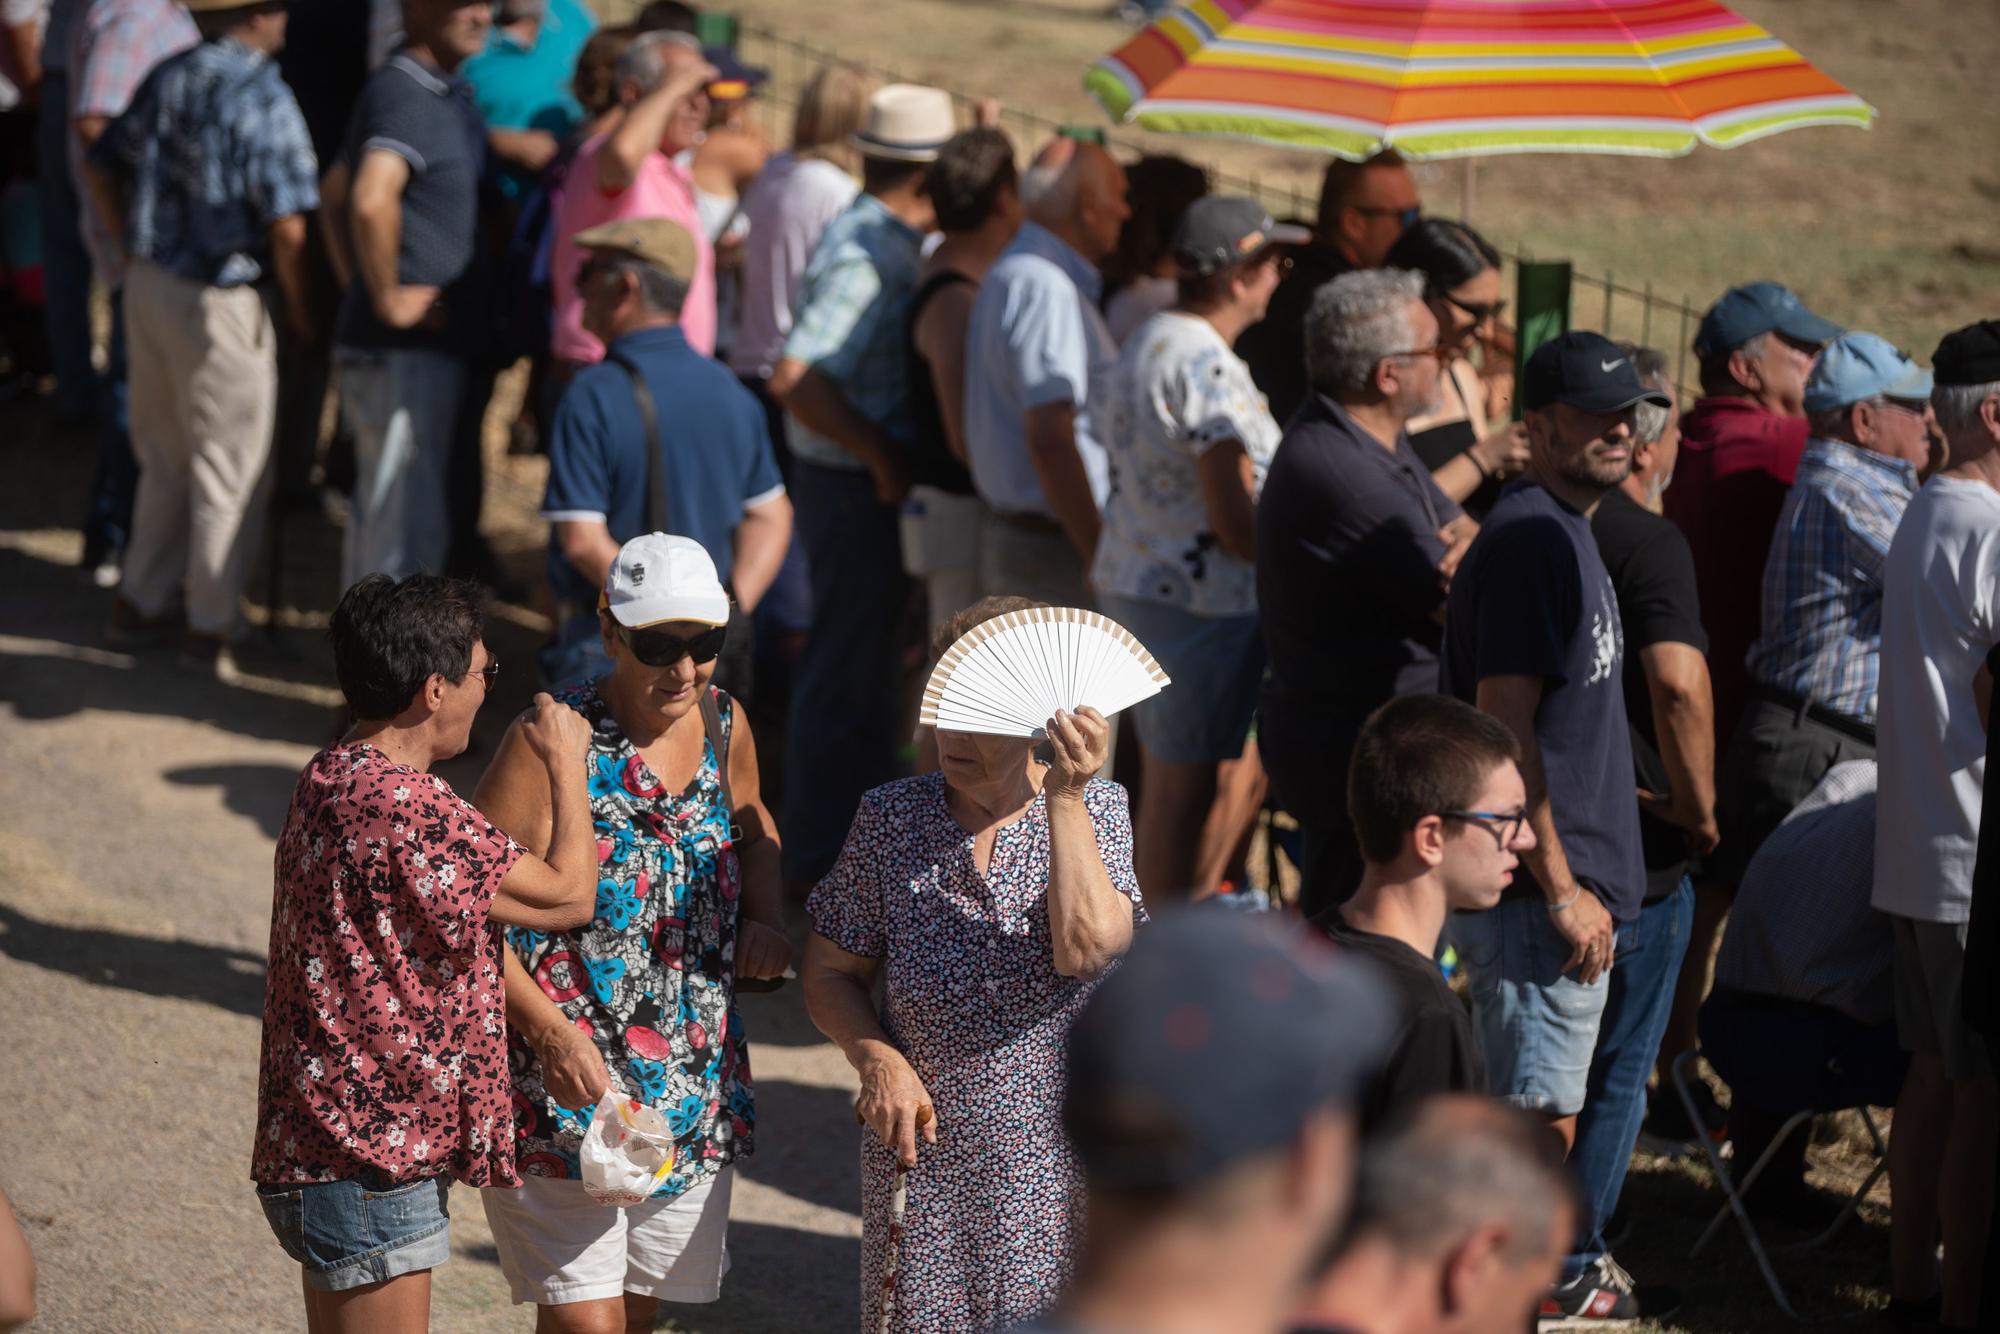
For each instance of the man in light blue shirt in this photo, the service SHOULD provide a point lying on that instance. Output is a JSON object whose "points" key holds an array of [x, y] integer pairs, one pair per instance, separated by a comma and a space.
{"points": [[1035, 349]]}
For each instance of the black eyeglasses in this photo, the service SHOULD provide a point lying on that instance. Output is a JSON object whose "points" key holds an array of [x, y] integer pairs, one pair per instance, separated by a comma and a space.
{"points": [[1406, 218], [1492, 310], [1505, 826], [657, 648]]}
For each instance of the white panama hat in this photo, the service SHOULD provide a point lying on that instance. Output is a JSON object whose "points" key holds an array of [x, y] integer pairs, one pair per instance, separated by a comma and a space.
{"points": [[907, 123]]}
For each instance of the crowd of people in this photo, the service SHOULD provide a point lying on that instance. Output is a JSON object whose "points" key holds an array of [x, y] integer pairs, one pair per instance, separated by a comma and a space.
{"points": [[1551, 677]]}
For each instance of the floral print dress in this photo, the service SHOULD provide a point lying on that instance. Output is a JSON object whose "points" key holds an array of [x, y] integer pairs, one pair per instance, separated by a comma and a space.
{"points": [[651, 978], [973, 1000]]}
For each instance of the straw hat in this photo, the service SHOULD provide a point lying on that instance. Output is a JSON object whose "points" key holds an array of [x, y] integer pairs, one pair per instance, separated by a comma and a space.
{"points": [[907, 123]]}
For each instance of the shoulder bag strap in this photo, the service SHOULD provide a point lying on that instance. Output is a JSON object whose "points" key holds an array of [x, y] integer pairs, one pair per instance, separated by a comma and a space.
{"points": [[718, 741], [649, 417]]}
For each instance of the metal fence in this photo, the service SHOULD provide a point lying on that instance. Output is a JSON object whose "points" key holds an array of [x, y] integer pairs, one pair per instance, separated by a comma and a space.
{"points": [[1618, 310]]}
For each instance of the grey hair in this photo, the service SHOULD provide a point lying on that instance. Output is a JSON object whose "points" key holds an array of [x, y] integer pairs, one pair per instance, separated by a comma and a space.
{"points": [[645, 61], [1649, 420], [659, 291], [1048, 192], [1355, 321], [1957, 406]]}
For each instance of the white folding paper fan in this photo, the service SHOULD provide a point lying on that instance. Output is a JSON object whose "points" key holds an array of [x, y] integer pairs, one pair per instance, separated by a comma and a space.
{"points": [[1008, 676]]}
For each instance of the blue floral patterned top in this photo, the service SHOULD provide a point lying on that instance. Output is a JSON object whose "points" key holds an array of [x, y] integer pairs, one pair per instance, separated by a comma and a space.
{"points": [[652, 977]]}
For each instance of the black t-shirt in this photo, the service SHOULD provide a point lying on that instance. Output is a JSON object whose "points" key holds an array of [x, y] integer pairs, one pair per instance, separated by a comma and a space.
{"points": [[1434, 1051], [1981, 1002], [1652, 570], [1532, 598], [1275, 347], [1347, 584]]}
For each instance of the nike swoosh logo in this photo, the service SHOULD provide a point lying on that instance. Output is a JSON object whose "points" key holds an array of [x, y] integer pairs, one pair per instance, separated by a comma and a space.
{"points": [[1610, 365]]}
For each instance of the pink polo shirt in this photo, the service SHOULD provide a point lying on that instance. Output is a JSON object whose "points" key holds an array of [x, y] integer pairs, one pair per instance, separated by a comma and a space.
{"points": [[663, 189]]}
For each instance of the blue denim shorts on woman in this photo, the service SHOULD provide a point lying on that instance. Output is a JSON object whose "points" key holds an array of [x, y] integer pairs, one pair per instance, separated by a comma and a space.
{"points": [[348, 1234]]}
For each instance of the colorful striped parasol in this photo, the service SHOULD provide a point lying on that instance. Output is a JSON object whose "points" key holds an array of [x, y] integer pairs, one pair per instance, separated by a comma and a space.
{"points": [[1462, 78]]}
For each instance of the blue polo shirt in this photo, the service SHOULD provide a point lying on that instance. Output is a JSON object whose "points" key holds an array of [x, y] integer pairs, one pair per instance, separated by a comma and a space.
{"points": [[527, 87], [714, 445]]}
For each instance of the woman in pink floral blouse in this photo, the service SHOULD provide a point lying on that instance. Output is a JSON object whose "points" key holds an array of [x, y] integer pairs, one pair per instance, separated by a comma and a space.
{"points": [[384, 1073]]}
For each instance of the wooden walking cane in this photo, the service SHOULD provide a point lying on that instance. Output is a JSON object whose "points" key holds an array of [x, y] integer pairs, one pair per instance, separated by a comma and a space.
{"points": [[899, 1201]]}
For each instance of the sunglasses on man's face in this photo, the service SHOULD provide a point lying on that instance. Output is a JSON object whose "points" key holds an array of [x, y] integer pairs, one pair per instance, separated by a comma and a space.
{"points": [[1479, 313], [658, 648]]}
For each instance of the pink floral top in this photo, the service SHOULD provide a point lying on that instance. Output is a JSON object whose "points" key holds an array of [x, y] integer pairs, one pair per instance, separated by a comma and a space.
{"points": [[384, 1016]]}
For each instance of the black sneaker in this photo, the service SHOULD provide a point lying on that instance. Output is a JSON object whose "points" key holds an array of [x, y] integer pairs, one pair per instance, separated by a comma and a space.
{"points": [[1667, 1130], [1604, 1297]]}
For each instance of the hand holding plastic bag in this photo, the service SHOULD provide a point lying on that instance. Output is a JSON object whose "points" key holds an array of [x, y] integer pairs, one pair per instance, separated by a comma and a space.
{"points": [[627, 1152]]}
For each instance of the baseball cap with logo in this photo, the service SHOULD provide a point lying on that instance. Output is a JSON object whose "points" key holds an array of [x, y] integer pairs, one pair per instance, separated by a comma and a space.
{"points": [[661, 242], [1856, 367], [1219, 230], [1587, 371], [658, 577], [1758, 308], [1214, 1041]]}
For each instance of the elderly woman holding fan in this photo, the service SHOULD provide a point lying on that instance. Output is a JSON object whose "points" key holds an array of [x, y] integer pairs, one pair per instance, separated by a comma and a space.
{"points": [[989, 897]]}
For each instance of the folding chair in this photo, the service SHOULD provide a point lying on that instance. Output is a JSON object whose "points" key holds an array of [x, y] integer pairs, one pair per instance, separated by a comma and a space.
{"points": [[1733, 1192]]}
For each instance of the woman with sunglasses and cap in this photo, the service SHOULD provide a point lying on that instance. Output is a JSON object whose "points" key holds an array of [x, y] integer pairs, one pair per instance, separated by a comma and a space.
{"points": [[1461, 272], [642, 997]]}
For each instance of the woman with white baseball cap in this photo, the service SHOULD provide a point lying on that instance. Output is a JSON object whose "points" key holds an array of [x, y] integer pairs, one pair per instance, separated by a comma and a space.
{"points": [[643, 996]]}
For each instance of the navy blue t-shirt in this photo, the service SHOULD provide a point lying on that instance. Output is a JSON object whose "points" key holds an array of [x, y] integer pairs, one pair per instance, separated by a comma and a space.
{"points": [[1532, 598], [715, 446]]}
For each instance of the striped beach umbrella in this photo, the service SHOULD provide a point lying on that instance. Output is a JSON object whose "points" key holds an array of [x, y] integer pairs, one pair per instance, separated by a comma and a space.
{"points": [[1461, 78]]}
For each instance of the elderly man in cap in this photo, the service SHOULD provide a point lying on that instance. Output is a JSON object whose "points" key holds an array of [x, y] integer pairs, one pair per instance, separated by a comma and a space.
{"points": [[212, 172], [656, 438], [1740, 446], [1533, 637], [1940, 624], [1216, 1131], [1191, 439], [1038, 360], [844, 380]]}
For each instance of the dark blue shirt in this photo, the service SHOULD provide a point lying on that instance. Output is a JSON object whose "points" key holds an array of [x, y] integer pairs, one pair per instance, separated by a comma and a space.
{"points": [[427, 118], [1532, 598], [714, 442]]}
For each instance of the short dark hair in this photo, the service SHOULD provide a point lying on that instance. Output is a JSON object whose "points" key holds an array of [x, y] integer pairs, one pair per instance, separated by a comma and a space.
{"points": [[1159, 188], [972, 171], [390, 636], [1449, 254], [1419, 755], [667, 16], [1342, 176], [882, 174]]}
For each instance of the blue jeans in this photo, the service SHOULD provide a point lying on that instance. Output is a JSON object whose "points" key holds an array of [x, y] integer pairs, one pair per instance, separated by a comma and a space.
{"points": [[1537, 1024], [109, 523], [842, 740], [1646, 962], [354, 1232], [65, 263]]}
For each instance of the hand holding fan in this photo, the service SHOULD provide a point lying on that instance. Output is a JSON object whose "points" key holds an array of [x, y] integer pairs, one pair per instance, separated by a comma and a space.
{"points": [[1010, 675]]}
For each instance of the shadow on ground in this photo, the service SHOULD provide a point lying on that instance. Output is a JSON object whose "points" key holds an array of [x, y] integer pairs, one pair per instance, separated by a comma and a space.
{"points": [[228, 979]]}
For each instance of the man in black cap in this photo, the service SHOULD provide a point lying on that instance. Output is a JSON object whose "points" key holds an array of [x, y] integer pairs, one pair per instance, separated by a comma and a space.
{"points": [[1940, 625], [1216, 1131], [1533, 637]]}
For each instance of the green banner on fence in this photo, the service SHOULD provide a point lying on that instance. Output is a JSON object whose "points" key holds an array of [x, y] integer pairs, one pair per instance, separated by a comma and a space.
{"points": [[713, 28], [1541, 300]]}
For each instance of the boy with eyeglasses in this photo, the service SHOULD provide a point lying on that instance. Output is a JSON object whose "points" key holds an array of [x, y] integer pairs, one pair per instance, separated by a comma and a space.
{"points": [[1440, 813]]}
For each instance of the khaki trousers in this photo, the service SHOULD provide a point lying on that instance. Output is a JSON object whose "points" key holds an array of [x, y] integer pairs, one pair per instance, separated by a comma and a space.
{"points": [[204, 395]]}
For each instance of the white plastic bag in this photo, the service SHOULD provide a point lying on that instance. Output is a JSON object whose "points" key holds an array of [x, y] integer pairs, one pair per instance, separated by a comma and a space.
{"points": [[627, 1152]]}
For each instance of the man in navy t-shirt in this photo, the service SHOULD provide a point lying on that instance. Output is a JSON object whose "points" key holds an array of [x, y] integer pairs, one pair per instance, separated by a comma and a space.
{"points": [[1532, 636], [714, 446]]}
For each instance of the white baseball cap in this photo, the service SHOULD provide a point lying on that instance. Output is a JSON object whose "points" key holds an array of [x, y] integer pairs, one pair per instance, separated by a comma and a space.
{"points": [[658, 577]]}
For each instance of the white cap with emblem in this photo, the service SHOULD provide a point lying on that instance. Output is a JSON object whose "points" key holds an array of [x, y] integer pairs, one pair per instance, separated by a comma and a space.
{"points": [[658, 577]]}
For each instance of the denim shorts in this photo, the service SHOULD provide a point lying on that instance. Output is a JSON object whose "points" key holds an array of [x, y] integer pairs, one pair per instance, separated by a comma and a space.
{"points": [[1216, 662], [1537, 1025], [348, 1234]]}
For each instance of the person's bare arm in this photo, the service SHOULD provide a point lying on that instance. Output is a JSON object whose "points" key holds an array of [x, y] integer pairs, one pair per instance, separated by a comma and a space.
{"points": [[1059, 468], [1457, 538], [763, 950], [333, 216], [572, 1068], [940, 336], [1576, 912], [24, 47], [1684, 721], [1501, 454], [1228, 494], [17, 1270], [761, 538], [530, 150], [588, 546], [818, 403], [375, 212], [106, 190], [839, 991], [1090, 921], [536, 789], [288, 264], [645, 124]]}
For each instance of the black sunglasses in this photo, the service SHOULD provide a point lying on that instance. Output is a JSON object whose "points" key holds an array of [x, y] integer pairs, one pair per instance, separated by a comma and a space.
{"points": [[1406, 218], [657, 648], [1492, 310], [488, 674]]}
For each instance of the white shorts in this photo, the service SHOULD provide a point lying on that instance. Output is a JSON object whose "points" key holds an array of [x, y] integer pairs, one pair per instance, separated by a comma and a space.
{"points": [[557, 1245]]}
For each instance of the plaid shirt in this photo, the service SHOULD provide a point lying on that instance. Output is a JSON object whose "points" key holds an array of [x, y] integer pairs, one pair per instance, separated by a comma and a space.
{"points": [[1822, 617], [851, 323], [113, 46], [214, 150]]}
